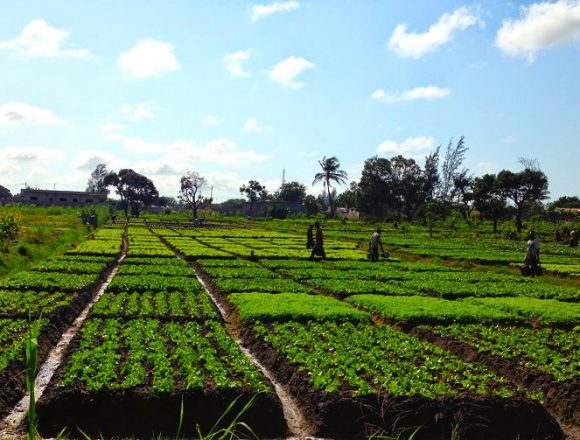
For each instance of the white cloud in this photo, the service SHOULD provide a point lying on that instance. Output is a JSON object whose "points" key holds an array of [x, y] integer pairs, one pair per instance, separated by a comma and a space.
{"points": [[486, 168], [161, 167], [210, 120], [89, 159], [220, 151], [29, 154], [40, 40], [138, 112], [149, 58], [509, 140], [259, 11], [429, 92], [17, 113], [8, 168], [414, 147], [111, 127], [253, 126], [541, 26], [233, 62], [287, 70], [415, 45]]}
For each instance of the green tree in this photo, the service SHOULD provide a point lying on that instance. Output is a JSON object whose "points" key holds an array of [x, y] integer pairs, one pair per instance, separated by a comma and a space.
{"points": [[449, 171], [330, 172], [291, 192], [310, 205], [523, 189], [133, 188], [253, 190], [489, 198], [566, 202], [190, 191], [5, 193], [464, 193], [350, 197], [96, 184], [375, 192], [406, 183]]}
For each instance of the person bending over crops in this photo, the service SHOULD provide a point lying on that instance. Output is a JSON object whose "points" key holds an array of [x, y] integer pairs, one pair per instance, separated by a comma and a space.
{"points": [[318, 248], [532, 259], [374, 244], [310, 237]]}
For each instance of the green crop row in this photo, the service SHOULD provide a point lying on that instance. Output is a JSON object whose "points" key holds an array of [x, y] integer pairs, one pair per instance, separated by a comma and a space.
{"points": [[158, 269], [192, 304], [32, 303], [97, 247], [49, 281], [281, 307], [553, 351], [161, 357], [546, 311], [158, 262], [403, 308], [153, 282], [377, 359], [70, 266], [270, 285], [228, 263], [13, 337], [240, 272]]}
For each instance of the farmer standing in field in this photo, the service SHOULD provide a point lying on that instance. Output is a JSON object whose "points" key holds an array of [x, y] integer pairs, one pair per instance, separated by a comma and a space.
{"points": [[310, 237], [532, 259], [318, 248], [374, 244]]}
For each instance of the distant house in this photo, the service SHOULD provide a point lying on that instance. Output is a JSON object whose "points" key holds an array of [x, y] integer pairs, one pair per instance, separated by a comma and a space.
{"points": [[44, 197]]}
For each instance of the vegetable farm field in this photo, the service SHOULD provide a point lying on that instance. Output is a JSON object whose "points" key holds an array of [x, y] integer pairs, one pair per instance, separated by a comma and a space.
{"points": [[443, 341]]}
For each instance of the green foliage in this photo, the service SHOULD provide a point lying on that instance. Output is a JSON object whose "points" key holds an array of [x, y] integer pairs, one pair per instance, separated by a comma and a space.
{"points": [[553, 351], [9, 227], [294, 307], [369, 359], [269, 285], [190, 304], [31, 369], [161, 357], [418, 308]]}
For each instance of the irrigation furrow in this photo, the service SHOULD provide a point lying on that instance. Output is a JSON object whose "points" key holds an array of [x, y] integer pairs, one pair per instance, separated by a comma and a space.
{"points": [[10, 426]]}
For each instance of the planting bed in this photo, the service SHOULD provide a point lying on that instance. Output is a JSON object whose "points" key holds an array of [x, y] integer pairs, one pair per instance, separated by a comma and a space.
{"points": [[154, 342], [55, 291], [394, 347]]}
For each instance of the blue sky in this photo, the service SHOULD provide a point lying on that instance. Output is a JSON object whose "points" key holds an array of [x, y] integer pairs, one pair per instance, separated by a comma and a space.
{"points": [[240, 90]]}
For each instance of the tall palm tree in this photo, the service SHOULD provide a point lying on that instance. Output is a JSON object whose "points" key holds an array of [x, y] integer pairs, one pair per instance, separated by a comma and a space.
{"points": [[330, 171]]}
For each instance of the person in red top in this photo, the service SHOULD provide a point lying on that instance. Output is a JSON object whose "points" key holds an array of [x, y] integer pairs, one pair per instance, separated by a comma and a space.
{"points": [[318, 244]]}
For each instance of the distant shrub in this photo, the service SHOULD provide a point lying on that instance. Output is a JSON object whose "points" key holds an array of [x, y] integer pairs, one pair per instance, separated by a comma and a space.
{"points": [[9, 227]]}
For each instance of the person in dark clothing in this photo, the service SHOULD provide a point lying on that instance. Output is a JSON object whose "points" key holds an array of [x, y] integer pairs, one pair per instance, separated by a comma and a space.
{"points": [[318, 248], [310, 237]]}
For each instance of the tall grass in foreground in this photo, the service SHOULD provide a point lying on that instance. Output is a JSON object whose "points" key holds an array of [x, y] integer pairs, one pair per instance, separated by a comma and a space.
{"points": [[235, 430], [31, 349]]}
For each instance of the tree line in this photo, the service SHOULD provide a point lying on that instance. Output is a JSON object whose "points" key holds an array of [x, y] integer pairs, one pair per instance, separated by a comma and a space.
{"points": [[396, 189]]}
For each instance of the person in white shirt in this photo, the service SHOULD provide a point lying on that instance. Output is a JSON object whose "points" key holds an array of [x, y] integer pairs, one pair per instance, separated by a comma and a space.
{"points": [[374, 244], [532, 259]]}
